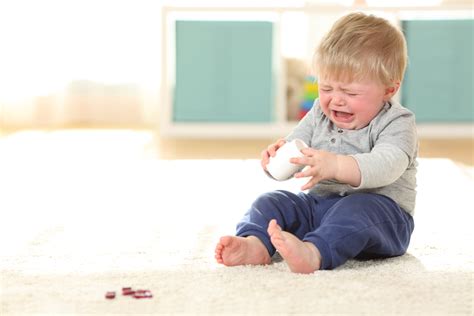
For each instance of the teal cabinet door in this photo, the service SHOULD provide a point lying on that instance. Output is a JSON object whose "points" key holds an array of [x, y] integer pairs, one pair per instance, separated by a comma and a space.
{"points": [[224, 72], [438, 84]]}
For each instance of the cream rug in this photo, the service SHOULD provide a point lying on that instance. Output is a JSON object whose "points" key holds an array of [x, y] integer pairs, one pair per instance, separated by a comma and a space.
{"points": [[74, 226]]}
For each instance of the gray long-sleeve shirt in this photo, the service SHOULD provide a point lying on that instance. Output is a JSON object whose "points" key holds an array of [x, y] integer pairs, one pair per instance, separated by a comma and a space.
{"points": [[385, 151]]}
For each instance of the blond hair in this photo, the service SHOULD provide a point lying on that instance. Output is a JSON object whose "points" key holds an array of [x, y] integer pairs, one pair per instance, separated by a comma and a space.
{"points": [[360, 47]]}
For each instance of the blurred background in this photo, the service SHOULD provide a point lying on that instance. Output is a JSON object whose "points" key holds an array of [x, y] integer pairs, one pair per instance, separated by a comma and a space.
{"points": [[209, 79]]}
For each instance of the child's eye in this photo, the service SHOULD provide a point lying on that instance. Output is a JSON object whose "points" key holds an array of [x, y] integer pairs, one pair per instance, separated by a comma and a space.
{"points": [[352, 94]]}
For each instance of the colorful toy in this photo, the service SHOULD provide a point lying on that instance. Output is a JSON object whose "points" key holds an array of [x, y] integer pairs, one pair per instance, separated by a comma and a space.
{"points": [[310, 93]]}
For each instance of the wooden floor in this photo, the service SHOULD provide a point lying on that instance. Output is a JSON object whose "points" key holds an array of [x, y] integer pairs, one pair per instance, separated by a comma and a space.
{"points": [[460, 150], [150, 143]]}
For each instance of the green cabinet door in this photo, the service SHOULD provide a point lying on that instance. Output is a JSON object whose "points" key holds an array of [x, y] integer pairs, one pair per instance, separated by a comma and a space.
{"points": [[224, 72], [438, 84]]}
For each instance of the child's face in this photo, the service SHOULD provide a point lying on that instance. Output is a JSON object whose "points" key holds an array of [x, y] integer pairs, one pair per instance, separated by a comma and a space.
{"points": [[352, 105]]}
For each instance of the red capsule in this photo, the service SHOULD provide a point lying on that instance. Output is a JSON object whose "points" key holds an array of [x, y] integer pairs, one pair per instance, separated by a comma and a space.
{"points": [[110, 295], [139, 294], [128, 291]]}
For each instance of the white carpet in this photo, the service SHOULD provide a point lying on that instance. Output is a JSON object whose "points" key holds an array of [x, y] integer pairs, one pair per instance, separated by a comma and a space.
{"points": [[72, 229]]}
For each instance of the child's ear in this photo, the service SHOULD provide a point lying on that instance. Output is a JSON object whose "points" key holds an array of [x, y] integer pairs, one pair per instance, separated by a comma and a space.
{"points": [[391, 90]]}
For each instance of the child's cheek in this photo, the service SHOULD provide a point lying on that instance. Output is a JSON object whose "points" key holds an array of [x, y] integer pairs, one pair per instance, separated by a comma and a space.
{"points": [[323, 96], [324, 102]]}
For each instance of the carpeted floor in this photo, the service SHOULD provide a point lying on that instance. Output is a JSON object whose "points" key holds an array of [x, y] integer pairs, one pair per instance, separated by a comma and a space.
{"points": [[72, 229]]}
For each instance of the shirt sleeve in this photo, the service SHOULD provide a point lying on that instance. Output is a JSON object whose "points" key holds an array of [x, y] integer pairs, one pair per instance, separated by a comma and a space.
{"points": [[394, 150]]}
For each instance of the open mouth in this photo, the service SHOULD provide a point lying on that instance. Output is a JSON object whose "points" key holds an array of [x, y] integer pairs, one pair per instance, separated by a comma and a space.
{"points": [[342, 116]]}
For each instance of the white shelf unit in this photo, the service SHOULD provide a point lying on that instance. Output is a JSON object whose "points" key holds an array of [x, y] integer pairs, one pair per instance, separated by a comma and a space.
{"points": [[280, 127], [169, 128]]}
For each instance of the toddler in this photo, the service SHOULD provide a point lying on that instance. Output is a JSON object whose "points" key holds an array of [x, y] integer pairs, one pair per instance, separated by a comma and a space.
{"points": [[360, 164]]}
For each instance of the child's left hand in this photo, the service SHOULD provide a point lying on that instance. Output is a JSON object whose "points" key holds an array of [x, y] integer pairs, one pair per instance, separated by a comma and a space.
{"points": [[324, 165], [321, 165]]}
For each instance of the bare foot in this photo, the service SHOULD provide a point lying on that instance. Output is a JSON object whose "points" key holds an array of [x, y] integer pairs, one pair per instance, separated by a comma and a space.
{"points": [[301, 257], [234, 251]]}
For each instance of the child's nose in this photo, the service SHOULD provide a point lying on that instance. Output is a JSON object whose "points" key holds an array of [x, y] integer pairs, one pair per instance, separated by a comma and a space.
{"points": [[338, 100]]}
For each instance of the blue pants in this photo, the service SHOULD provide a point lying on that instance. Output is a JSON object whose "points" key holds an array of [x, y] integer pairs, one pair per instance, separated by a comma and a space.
{"points": [[360, 225]]}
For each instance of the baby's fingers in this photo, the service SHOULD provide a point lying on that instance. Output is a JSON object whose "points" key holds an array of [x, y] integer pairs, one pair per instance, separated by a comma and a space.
{"points": [[305, 173], [311, 183], [300, 160], [272, 149]]}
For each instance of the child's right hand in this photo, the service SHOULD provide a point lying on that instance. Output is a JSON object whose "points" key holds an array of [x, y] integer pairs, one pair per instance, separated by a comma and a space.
{"points": [[270, 152]]}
